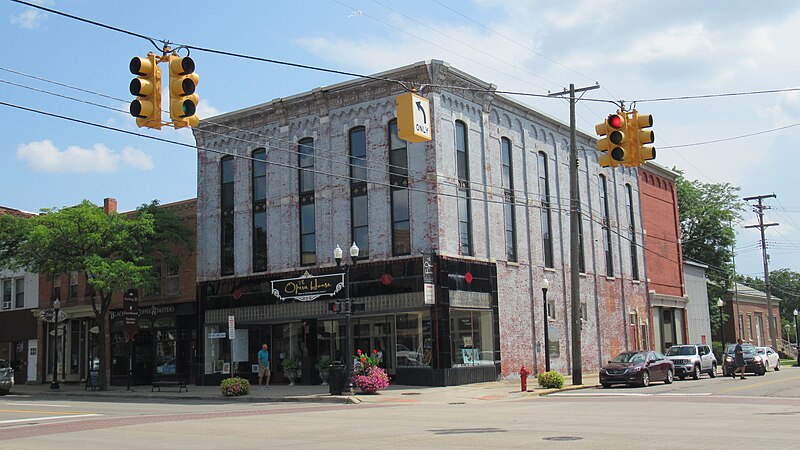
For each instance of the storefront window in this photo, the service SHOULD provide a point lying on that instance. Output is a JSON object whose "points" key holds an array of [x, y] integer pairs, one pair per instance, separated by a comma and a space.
{"points": [[472, 342], [217, 349], [413, 347]]}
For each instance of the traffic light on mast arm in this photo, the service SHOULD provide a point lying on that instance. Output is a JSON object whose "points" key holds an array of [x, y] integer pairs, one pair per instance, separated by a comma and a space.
{"points": [[182, 98], [642, 137], [614, 145], [146, 107]]}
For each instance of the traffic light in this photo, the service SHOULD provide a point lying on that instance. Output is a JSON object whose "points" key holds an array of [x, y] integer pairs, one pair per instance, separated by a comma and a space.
{"points": [[642, 137], [182, 99], [614, 146], [147, 89]]}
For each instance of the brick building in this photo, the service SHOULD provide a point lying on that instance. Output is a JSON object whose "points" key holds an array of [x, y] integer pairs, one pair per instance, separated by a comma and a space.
{"points": [[667, 297], [18, 298], [746, 309], [281, 184], [167, 333]]}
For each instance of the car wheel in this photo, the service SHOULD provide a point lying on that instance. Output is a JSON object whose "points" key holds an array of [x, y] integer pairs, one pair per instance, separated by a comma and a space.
{"points": [[778, 366], [645, 379], [762, 372], [713, 373], [669, 377], [696, 373]]}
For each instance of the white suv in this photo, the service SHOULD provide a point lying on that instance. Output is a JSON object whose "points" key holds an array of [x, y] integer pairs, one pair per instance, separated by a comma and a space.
{"points": [[692, 360]]}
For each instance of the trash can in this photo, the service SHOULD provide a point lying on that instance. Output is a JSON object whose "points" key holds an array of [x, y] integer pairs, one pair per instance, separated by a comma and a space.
{"points": [[336, 378]]}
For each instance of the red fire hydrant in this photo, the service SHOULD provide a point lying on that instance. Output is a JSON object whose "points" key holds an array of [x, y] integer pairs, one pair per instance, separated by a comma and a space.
{"points": [[523, 378]]}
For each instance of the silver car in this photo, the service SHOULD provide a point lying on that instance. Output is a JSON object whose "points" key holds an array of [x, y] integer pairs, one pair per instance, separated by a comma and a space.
{"points": [[692, 360], [6, 377]]}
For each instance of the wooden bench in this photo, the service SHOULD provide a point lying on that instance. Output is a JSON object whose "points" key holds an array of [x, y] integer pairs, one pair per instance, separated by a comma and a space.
{"points": [[180, 384]]}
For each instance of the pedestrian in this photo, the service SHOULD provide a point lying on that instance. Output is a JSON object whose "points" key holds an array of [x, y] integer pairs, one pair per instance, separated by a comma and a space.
{"points": [[263, 367], [739, 359]]}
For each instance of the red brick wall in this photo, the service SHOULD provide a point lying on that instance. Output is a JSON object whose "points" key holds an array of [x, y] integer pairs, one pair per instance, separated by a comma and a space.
{"points": [[660, 220]]}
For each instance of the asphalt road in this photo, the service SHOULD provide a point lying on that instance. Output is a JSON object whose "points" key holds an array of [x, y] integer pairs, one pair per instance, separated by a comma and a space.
{"points": [[757, 412]]}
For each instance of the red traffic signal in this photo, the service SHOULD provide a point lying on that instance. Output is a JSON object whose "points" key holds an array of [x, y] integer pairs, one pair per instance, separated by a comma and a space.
{"points": [[614, 143]]}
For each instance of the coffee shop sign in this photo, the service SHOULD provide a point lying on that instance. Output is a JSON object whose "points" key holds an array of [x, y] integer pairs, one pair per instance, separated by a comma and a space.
{"points": [[308, 287]]}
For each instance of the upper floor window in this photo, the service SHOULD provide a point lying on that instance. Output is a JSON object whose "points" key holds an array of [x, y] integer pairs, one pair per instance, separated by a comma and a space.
{"points": [[173, 278], [358, 155], [73, 285], [544, 192], [308, 224], [227, 222], [398, 178], [6, 294], [509, 213], [20, 293], [464, 201], [606, 226], [259, 175], [359, 204], [632, 231]]}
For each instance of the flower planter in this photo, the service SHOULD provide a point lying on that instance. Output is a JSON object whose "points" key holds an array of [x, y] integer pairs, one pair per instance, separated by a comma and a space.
{"points": [[324, 374]]}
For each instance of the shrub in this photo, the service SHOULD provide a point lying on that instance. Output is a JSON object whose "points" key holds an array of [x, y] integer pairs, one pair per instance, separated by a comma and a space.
{"points": [[231, 387], [551, 379]]}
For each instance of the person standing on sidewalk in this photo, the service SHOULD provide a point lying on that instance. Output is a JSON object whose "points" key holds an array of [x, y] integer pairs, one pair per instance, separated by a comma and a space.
{"points": [[738, 357], [263, 367]]}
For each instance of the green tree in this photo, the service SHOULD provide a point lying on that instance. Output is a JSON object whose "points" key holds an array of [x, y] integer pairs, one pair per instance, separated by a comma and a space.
{"points": [[784, 284], [707, 214], [113, 252]]}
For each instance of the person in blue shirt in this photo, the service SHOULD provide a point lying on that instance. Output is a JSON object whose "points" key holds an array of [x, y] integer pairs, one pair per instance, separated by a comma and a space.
{"points": [[263, 367]]}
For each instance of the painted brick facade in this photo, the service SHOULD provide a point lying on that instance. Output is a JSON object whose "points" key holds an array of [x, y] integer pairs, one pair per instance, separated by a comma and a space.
{"points": [[327, 114]]}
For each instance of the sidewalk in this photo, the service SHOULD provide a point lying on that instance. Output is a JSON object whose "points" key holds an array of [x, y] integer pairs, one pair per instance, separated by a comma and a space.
{"points": [[471, 393]]}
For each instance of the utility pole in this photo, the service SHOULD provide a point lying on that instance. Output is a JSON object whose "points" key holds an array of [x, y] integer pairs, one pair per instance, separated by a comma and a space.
{"points": [[759, 210], [574, 243]]}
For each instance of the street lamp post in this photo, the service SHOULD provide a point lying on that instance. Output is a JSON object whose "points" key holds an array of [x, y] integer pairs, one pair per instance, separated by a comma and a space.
{"points": [[796, 343], [720, 303], [56, 308], [545, 284], [348, 308]]}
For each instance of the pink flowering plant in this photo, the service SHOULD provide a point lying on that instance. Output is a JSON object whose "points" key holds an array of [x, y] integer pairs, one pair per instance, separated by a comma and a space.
{"points": [[232, 387], [367, 376]]}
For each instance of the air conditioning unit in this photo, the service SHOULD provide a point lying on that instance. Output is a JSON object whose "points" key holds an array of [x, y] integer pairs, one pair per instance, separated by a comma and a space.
{"points": [[6, 305]]}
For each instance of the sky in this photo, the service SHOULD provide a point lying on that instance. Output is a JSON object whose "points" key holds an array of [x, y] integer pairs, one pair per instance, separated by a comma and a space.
{"points": [[641, 52]]}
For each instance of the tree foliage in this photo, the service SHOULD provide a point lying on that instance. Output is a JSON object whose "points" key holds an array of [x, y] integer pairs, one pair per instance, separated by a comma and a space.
{"points": [[707, 214], [784, 284]]}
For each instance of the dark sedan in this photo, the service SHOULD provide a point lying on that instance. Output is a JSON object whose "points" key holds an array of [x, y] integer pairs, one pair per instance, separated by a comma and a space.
{"points": [[753, 363], [637, 368]]}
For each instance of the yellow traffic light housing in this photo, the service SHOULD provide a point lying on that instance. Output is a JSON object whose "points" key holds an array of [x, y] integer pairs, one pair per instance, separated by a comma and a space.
{"points": [[643, 136], [146, 107], [182, 97], [614, 145]]}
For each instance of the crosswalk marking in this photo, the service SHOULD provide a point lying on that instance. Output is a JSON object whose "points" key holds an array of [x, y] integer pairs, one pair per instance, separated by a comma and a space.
{"points": [[38, 419]]}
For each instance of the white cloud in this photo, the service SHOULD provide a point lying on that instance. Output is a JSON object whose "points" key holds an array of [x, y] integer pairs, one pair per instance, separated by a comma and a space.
{"points": [[31, 19], [43, 156], [137, 159]]}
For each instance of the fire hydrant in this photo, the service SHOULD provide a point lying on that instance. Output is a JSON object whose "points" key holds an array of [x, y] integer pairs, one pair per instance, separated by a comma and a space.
{"points": [[523, 378]]}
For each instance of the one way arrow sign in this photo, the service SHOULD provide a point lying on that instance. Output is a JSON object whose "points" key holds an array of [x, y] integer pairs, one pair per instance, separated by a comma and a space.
{"points": [[413, 118]]}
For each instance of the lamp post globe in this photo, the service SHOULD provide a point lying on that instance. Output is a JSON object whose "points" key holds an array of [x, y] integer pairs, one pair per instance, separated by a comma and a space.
{"points": [[545, 284], [56, 310]]}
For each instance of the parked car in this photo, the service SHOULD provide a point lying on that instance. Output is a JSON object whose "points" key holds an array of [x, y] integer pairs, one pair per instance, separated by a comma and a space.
{"points": [[753, 363], [693, 359], [6, 377], [770, 357], [637, 368]]}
